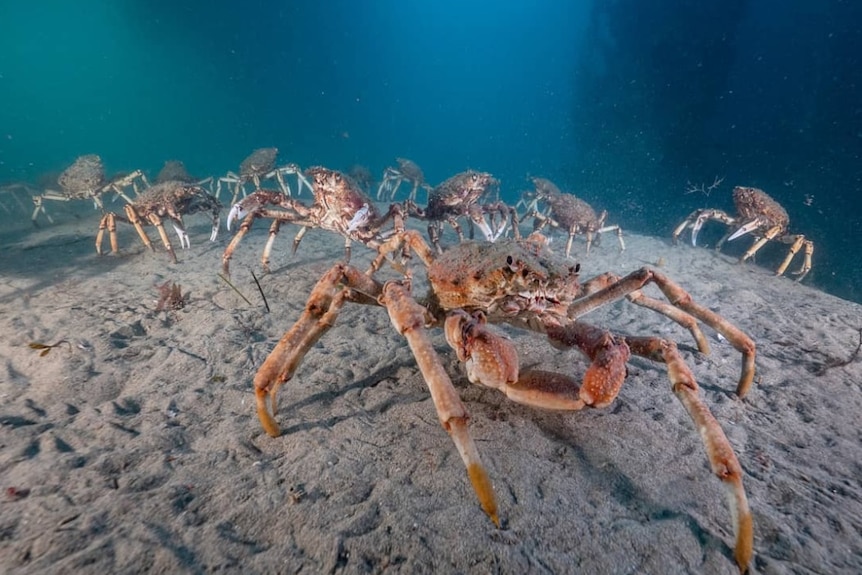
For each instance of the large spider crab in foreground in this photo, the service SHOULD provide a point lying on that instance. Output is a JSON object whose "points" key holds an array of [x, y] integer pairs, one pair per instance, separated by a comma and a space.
{"points": [[567, 212], [519, 282], [170, 200], [759, 215]]}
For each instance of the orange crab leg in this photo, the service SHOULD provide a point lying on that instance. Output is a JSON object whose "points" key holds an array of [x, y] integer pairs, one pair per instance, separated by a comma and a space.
{"points": [[722, 458], [109, 223], [132, 215], [409, 319], [157, 221], [321, 311], [681, 299]]}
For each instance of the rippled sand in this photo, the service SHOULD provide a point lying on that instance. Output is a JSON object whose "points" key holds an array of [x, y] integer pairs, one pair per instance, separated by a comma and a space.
{"points": [[136, 448]]}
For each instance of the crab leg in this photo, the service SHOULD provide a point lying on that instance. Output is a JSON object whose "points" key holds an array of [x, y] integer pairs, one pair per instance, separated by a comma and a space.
{"points": [[132, 215], [157, 222], [409, 319], [477, 216], [235, 240], [321, 311], [755, 247], [108, 222], [489, 362], [798, 242], [681, 299], [300, 180], [722, 458], [285, 188]]}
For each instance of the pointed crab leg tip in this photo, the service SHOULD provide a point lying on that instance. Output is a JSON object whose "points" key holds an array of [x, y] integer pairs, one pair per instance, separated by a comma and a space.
{"points": [[484, 490], [268, 423], [745, 544]]}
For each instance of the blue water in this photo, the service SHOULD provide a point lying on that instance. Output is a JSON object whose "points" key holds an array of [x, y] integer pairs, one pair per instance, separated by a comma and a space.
{"points": [[622, 102]]}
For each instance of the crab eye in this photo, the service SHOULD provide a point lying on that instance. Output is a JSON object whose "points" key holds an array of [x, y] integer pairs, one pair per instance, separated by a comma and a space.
{"points": [[575, 268], [512, 264]]}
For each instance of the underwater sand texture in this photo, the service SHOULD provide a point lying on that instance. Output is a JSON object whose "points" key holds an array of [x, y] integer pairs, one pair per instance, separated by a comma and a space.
{"points": [[139, 450]]}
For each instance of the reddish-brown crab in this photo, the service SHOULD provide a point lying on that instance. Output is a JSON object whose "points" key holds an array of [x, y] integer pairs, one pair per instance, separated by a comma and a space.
{"points": [[85, 179], [520, 283], [260, 165], [759, 215], [460, 196], [407, 171], [339, 206], [172, 200], [567, 212]]}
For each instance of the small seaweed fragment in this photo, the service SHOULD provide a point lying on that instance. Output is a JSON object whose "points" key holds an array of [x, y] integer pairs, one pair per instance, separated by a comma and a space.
{"points": [[260, 289], [171, 297], [234, 288], [832, 362], [46, 348]]}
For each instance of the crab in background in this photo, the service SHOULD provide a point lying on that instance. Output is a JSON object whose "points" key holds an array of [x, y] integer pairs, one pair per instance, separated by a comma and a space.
{"points": [[85, 179], [362, 176], [567, 212], [339, 206], [759, 215], [171, 200], [474, 284], [261, 165], [407, 171], [175, 171], [460, 196]]}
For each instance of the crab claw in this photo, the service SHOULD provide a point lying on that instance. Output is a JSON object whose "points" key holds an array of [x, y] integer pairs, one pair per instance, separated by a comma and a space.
{"points": [[490, 358], [607, 371], [214, 232], [695, 228], [237, 212], [183, 237], [745, 229], [359, 219]]}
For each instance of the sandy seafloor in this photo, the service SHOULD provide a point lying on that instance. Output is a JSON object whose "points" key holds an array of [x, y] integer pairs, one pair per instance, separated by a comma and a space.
{"points": [[139, 449]]}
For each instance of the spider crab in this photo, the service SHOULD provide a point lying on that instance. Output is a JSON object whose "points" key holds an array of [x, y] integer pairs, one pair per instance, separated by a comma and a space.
{"points": [[759, 215], [568, 212], [362, 176], [407, 171], [339, 206], [260, 165], [170, 199], [459, 196], [85, 179], [519, 282], [175, 171]]}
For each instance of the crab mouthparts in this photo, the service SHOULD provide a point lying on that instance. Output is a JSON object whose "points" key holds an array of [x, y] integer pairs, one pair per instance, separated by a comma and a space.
{"points": [[538, 300]]}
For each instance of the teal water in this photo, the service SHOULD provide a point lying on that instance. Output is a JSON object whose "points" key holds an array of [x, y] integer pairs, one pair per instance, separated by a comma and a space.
{"points": [[623, 102]]}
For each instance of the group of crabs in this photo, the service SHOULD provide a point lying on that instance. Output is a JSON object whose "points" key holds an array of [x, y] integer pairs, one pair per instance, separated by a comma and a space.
{"points": [[472, 284]]}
